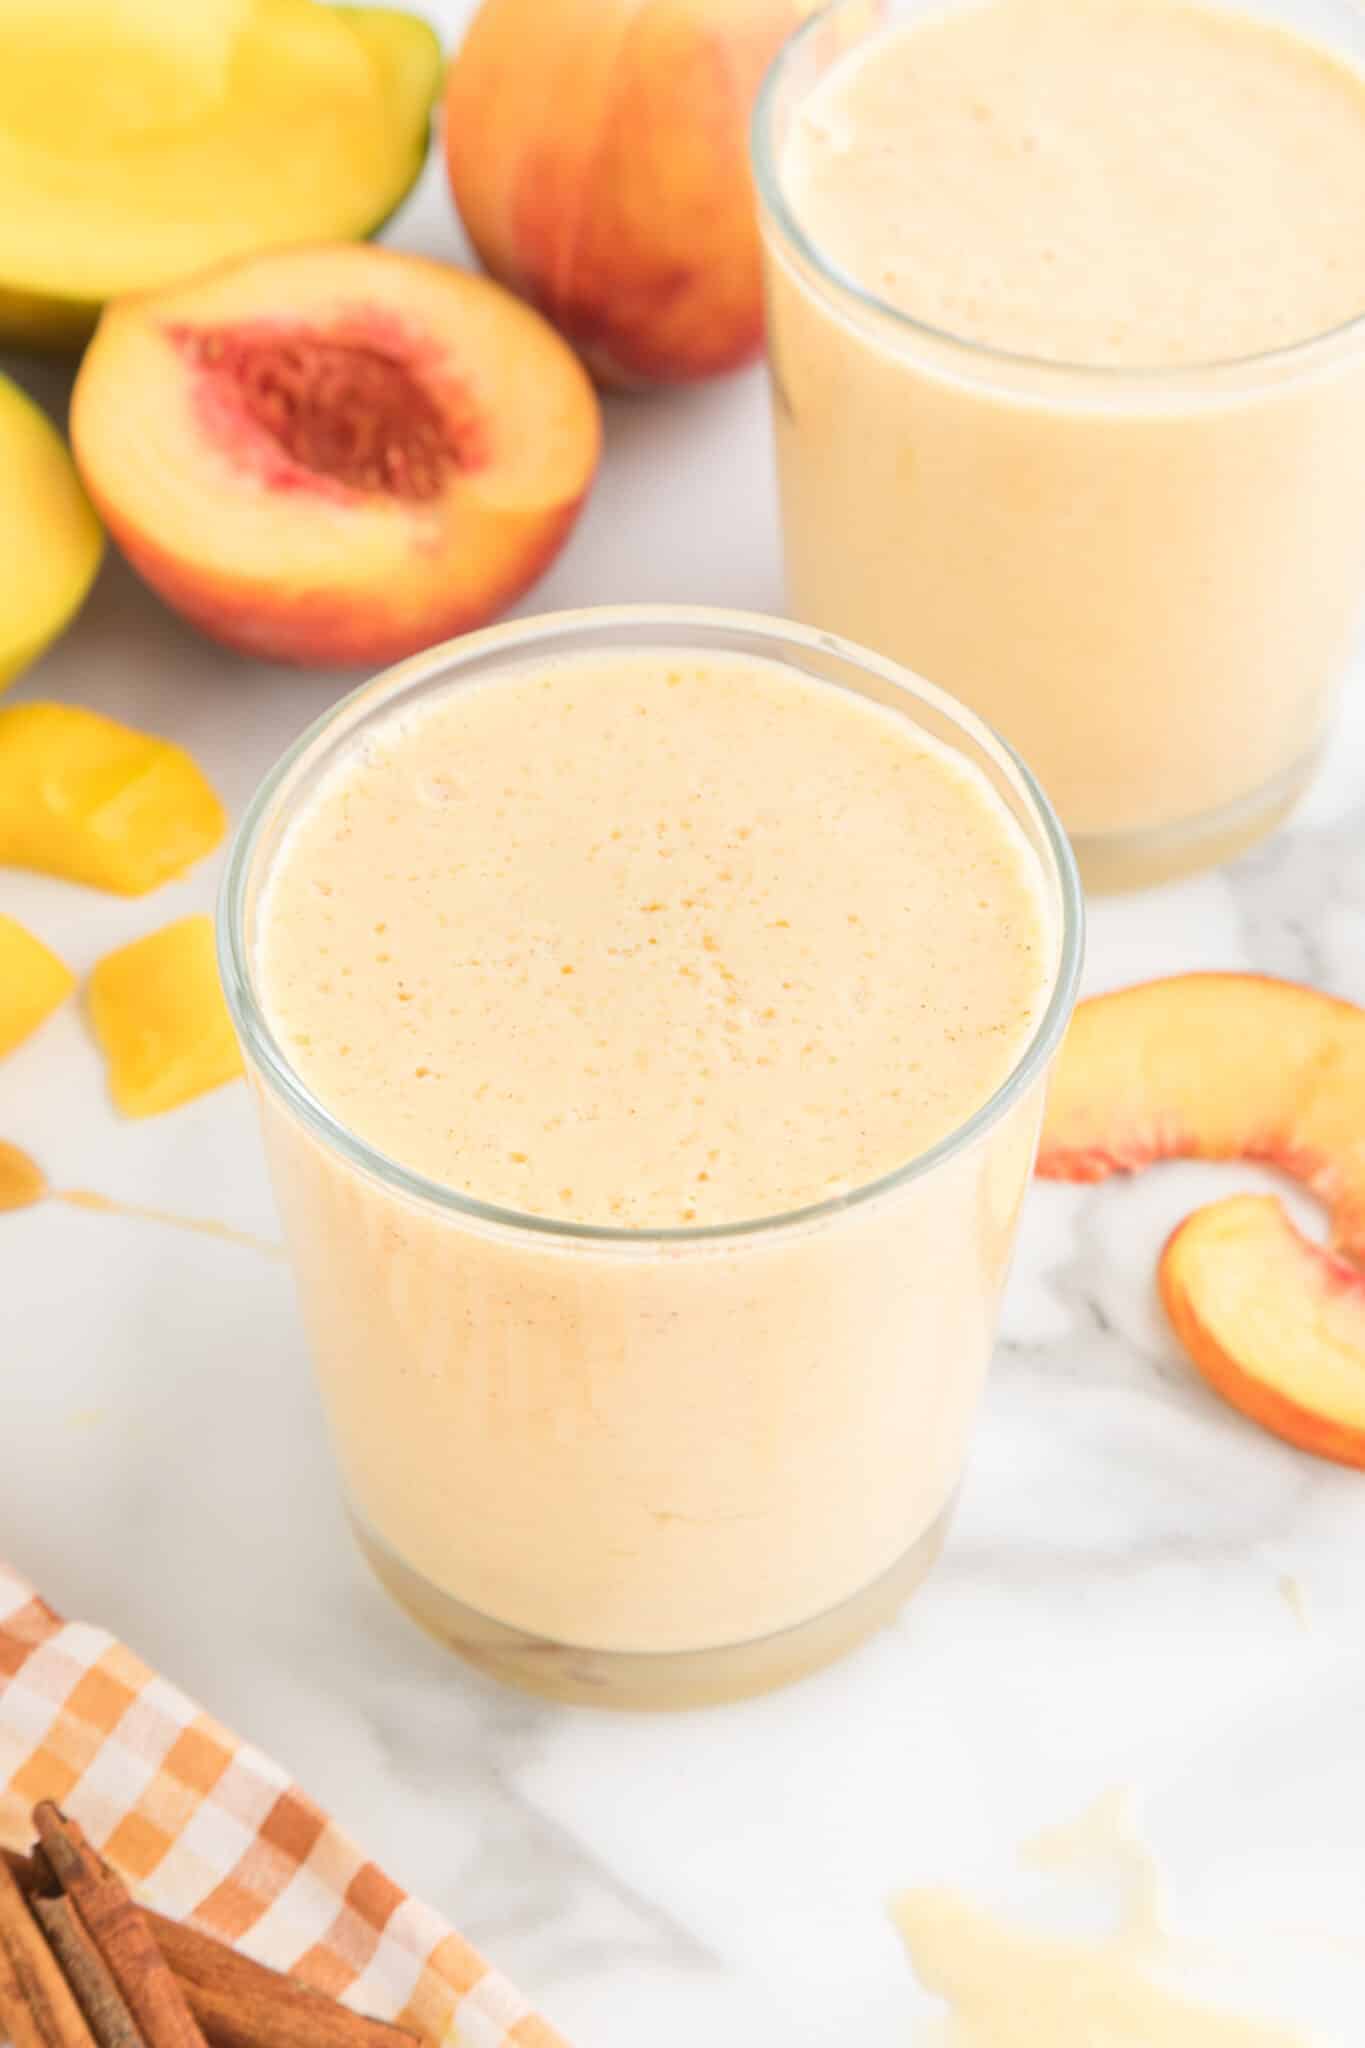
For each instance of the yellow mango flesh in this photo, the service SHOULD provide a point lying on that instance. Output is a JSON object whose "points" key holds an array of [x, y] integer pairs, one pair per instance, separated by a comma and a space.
{"points": [[33, 982], [93, 801], [158, 1011], [50, 539], [144, 143]]}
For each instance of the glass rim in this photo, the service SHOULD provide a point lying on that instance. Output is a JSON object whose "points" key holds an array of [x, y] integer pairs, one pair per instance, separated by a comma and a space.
{"points": [[980, 354], [651, 625]]}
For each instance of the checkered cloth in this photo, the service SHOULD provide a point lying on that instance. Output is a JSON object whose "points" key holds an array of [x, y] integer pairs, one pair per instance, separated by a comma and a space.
{"points": [[209, 1830]]}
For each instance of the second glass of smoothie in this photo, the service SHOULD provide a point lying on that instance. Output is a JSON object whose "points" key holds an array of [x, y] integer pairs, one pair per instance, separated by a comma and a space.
{"points": [[1067, 327], [649, 1014]]}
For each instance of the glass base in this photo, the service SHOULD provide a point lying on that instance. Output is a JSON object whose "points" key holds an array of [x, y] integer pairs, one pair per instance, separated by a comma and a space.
{"points": [[651, 1679], [1113, 861]]}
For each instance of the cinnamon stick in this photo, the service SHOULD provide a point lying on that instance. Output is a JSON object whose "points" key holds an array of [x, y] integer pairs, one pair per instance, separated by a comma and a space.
{"points": [[118, 1930], [37, 2006], [238, 2002], [87, 1973], [241, 2003]]}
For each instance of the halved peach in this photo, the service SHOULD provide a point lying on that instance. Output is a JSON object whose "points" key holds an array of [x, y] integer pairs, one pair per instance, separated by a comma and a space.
{"points": [[1275, 1324], [335, 456], [1238, 1066]]}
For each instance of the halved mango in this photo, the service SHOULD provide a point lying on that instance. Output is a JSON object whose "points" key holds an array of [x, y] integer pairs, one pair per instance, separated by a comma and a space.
{"points": [[160, 1016], [33, 981], [86, 798], [50, 539], [142, 143]]}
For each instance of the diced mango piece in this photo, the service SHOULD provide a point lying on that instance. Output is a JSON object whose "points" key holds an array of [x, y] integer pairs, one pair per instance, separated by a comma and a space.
{"points": [[33, 981], [160, 1016], [22, 1181], [86, 798]]}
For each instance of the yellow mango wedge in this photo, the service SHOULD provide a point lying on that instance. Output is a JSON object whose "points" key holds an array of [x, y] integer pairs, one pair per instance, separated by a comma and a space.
{"points": [[50, 539], [158, 1011], [144, 142], [33, 982], [86, 798]]}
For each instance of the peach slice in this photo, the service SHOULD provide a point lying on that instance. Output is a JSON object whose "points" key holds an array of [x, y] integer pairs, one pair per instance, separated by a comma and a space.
{"points": [[335, 456], [1275, 1324], [33, 983], [159, 1013], [93, 801], [1238, 1066], [598, 156]]}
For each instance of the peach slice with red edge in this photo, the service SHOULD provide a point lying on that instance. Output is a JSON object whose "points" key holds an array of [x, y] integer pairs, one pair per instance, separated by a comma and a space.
{"points": [[1238, 1066], [1275, 1324], [335, 456]]}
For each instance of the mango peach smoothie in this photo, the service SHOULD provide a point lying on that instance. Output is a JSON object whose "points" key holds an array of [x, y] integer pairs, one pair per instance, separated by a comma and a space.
{"points": [[1068, 363], [649, 1016]]}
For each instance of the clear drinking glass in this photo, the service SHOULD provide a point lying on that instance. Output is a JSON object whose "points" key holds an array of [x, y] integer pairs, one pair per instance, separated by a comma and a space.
{"points": [[1149, 581], [646, 1467]]}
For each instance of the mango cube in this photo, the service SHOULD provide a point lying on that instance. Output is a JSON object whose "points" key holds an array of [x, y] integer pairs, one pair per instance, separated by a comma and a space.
{"points": [[159, 1013], [33, 981], [86, 798]]}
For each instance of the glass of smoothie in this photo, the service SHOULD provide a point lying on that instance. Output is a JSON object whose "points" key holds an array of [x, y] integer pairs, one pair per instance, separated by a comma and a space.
{"points": [[649, 1013], [1067, 323]]}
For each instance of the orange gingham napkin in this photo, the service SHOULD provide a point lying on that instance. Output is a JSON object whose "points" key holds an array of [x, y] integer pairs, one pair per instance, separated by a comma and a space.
{"points": [[209, 1830]]}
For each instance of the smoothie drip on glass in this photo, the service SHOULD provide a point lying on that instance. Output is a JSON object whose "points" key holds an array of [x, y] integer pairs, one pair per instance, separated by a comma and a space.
{"points": [[650, 1042], [1068, 347]]}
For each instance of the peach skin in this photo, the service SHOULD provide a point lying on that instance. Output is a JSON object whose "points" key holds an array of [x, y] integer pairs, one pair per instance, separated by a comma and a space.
{"points": [[335, 456], [598, 155], [1275, 1324], [1238, 1066]]}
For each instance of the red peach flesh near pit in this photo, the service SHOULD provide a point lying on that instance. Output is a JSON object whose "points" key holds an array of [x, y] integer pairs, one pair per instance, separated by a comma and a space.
{"points": [[1238, 1066], [344, 410]]}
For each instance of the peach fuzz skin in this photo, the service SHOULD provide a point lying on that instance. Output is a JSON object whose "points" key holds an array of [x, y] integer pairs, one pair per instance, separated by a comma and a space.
{"points": [[1237, 1066], [599, 162], [338, 628], [335, 457]]}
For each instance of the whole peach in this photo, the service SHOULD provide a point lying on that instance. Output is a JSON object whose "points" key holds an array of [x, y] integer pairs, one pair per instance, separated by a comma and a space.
{"points": [[598, 154]]}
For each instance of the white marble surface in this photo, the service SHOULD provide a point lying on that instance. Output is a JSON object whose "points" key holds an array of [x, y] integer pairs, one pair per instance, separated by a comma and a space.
{"points": [[1111, 1608]]}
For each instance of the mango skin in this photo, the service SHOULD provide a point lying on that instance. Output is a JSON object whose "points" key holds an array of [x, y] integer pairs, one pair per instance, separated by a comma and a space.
{"points": [[33, 983], [89, 800], [158, 1011], [51, 542], [60, 323]]}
